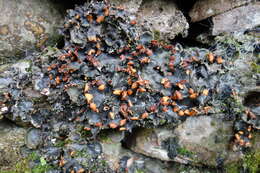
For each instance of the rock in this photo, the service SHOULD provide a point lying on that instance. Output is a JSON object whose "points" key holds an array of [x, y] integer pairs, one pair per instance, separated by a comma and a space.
{"points": [[203, 9], [27, 25], [199, 140], [33, 139], [119, 157], [238, 19], [251, 100], [163, 18], [130, 5], [208, 139], [12, 138], [150, 142]]}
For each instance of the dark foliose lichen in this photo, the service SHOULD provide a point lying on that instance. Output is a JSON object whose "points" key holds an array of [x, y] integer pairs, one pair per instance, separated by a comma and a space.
{"points": [[108, 76]]}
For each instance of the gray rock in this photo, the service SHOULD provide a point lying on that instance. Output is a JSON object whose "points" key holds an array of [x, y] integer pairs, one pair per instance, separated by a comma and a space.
{"points": [[238, 19], [33, 139], [163, 18], [199, 140], [12, 138], [27, 25], [150, 143], [113, 152], [203, 9], [252, 102], [130, 5], [207, 138]]}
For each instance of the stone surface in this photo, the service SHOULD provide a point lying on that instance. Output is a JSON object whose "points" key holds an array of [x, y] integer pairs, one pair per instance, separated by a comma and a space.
{"points": [[114, 153], [27, 25], [251, 101], [131, 5], [12, 138], [163, 18], [238, 19], [150, 143], [199, 140], [33, 139], [203, 9], [208, 139]]}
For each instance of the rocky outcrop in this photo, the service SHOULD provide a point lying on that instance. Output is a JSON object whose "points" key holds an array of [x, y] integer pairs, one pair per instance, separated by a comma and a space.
{"points": [[118, 156], [238, 19], [199, 140], [203, 9], [161, 17], [27, 25]]}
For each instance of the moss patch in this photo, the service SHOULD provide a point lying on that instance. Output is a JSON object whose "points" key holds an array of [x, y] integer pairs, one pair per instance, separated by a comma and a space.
{"points": [[184, 152], [23, 165], [252, 162]]}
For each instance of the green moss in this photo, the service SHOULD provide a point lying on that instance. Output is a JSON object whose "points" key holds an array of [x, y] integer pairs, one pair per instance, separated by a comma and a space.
{"points": [[184, 152], [162, 121], [23, 165], [233, 168], [105, 138], [156, 35], [212, 123], [255, 67], [60, 143], [139, 171], [252, 162], [82, 153]]}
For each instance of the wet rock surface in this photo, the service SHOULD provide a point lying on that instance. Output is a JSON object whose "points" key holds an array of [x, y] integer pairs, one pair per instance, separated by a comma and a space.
{"points": [[238, 19], [111, 78], [203, 9], [27, 25]]}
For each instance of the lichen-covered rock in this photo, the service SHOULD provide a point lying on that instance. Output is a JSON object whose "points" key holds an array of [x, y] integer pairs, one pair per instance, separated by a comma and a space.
{"points": [[11, 141], [163, 18], [203, 9], [237, 20], [108, 76], [199, 140], [27, 25]]}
